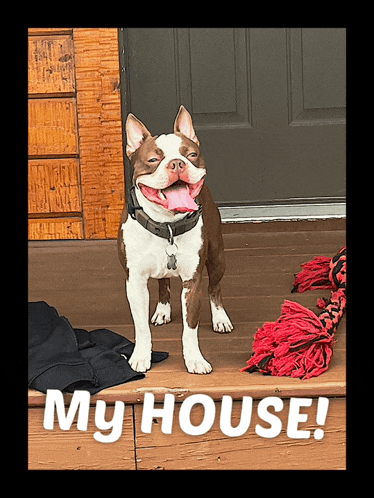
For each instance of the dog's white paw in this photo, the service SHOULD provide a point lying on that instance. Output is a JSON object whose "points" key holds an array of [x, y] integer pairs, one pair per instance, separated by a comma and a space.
{"points": [[221, 322], [198, 365], [162, 314], [140, 362]]}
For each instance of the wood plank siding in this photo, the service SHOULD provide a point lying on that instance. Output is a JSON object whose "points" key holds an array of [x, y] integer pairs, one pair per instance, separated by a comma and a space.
{"points": [[76, 172]]}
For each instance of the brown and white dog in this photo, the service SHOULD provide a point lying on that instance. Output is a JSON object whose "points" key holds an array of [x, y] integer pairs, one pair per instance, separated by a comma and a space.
{"points": [[170, 227]]}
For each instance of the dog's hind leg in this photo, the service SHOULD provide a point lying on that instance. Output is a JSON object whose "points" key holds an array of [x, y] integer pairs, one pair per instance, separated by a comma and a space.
{"points": [[163, 309], [216, 267]]}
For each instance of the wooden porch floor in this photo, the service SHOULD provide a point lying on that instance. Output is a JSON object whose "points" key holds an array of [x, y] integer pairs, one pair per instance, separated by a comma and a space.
{"points": [[85, 282]]}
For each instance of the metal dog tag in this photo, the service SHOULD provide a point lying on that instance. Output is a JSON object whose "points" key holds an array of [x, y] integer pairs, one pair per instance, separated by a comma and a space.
{"points": [[172, 262], [170, 250]]}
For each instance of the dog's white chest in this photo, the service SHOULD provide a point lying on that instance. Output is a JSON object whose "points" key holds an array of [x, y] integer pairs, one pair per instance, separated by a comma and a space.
{"points": [[146, 253]]}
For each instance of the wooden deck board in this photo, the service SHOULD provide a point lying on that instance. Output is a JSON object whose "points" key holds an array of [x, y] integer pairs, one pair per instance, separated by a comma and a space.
{"points": [[216, 451], [85, 282]]}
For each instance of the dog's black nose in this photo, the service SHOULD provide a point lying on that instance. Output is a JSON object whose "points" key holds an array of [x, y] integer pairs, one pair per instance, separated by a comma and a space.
{"points": [[176, 164]]}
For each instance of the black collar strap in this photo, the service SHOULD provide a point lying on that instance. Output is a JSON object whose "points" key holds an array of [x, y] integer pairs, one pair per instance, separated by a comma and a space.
{"points": [[161, 229]]}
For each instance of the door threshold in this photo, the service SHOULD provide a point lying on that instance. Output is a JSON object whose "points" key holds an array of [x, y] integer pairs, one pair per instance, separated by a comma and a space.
{"points": [[279, 212]]}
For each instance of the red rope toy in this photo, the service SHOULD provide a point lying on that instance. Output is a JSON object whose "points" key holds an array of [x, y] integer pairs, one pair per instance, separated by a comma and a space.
{"points": [[299, 344]]}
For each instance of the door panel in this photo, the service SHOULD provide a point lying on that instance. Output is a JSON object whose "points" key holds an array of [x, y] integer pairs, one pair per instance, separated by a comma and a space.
{"points": [[268, 105], [214, 90], [317, 71], [152, 81], [219, 94]]}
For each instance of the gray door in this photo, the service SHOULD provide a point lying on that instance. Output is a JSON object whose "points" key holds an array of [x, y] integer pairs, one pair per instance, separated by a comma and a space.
{"points": [[268, 105]]}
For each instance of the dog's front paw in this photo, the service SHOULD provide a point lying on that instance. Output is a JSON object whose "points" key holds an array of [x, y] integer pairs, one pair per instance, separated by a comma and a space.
{"points": [[140, 362], [162, 314], [198, 365]]}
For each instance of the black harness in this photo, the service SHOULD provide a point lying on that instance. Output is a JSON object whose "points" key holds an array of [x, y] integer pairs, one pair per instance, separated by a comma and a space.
{"points": [[164, 230]]}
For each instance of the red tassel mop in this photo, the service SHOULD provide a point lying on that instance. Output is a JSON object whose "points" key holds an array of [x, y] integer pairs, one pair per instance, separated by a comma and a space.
{"points": [[299, 344], [315, 275]]}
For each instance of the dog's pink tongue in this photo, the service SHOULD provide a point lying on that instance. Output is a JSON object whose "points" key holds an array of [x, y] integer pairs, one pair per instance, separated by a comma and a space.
{"points": [[179, 199]]}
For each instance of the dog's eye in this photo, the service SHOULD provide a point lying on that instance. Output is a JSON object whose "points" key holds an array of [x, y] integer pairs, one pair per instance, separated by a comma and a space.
{"points": [[153, 160], [192, 154]]}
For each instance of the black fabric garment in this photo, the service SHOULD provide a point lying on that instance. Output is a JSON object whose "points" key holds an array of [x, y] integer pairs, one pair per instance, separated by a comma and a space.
{"points": [[61, 357]]}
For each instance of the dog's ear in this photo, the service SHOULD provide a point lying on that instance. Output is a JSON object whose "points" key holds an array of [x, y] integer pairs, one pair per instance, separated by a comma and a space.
{"points": [[136, 133], [183, 124]]}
